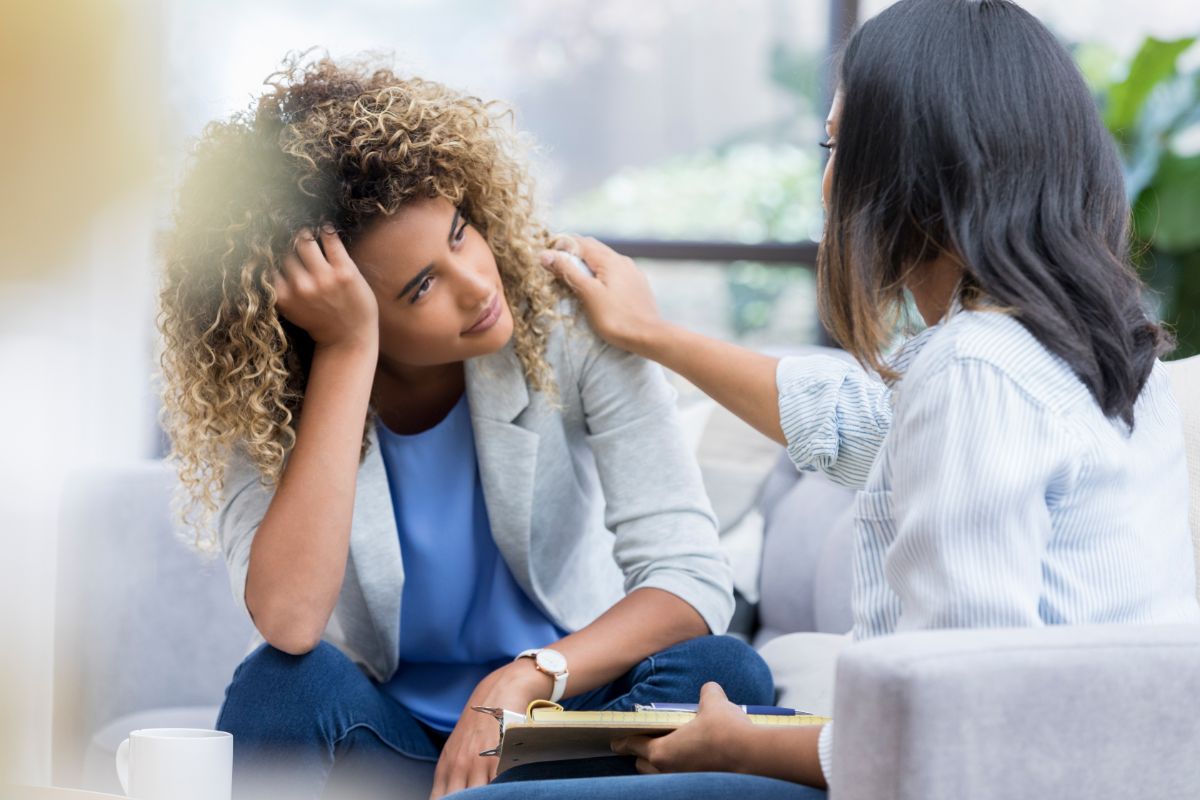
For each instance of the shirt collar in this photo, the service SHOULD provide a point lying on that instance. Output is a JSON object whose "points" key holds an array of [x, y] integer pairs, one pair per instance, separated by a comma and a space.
{"points": [[909, 350]]}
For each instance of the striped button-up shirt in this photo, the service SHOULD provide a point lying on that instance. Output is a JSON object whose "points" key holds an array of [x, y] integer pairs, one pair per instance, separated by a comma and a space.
{"points": [[994, 491]]}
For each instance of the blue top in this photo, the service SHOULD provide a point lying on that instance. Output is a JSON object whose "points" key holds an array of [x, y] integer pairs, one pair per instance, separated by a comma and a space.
{"points": [[462, 614]]}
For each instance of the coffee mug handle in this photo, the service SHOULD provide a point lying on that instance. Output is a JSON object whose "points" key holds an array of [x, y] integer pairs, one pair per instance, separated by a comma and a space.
{"points": [[123, 766]]}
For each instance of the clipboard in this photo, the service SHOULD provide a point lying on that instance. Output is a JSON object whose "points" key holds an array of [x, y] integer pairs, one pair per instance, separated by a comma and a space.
{"points": [[548, 732]]}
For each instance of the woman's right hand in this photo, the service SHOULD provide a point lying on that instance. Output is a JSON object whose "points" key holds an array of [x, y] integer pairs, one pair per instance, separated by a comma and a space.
{"points": [[319, 288], [618, 300]]}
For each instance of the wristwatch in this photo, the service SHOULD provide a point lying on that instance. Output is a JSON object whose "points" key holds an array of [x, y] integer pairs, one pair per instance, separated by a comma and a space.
{"points": [[552, 663]]}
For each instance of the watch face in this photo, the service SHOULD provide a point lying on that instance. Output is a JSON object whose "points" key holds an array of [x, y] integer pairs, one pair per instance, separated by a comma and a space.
{"points": [[552, 661]]}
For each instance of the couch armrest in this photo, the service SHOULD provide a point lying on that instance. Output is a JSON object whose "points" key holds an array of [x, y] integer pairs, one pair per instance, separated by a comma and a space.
{"points": [[1058, 712], [141, 621]]}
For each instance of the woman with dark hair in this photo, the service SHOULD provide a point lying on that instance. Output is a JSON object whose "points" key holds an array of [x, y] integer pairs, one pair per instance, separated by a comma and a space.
{"points": [[1021, 462]]}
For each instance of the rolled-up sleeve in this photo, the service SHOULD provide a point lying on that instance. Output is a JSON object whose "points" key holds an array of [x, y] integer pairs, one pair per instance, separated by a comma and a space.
{"points": [[825, 751], [655, 502], [834, 416]]}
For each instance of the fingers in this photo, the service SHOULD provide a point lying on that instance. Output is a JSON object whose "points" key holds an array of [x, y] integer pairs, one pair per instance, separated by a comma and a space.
{"points": [[481, 772], [711, 694], [567, 271], [566, 243], [309, 251], [632, 746], [289, 279], [294, 271], [456, 783], [335, 250], [641, 747], [645, 767], [456, 771], [439, 782], [462, 776], [278, 280], [310, 264], [596, 253], [442, 776]]}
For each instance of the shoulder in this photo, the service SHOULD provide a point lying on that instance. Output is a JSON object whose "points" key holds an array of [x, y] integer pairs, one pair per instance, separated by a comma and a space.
{"points": [[995, 347], [577, 354], [571, 339], [1157, 406]]}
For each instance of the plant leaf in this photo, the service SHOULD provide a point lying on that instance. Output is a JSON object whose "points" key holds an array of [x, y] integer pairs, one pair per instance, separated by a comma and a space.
{"points": [[1168, 212], [1154, 63]]}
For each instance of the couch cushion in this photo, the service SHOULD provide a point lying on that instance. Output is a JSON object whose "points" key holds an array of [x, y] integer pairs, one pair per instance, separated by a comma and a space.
{"points": [[142, 621], [807, 551], [804, 666], [734, 460]]}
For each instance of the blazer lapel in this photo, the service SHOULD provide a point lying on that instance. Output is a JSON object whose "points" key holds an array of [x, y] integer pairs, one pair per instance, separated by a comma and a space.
{"points": [[375, 559], [507, 455]]}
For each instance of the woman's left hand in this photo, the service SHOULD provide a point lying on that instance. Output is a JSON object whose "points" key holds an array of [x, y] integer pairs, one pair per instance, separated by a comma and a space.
{"points": [[618, 300], [709, 743], [513, 686]]}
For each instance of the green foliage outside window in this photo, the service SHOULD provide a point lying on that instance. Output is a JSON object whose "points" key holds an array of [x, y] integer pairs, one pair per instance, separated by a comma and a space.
{"points": [[748, 191], [1152, 108], [765, 185]]}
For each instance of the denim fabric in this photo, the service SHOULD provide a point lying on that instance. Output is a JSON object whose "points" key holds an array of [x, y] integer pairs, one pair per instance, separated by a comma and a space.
{"points": [[679, 786], [294, 717], [676, 674], [302, 722]]}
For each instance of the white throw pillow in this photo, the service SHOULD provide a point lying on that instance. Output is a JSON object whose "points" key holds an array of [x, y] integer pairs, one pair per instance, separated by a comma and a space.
{"points": [[1185, 384]]}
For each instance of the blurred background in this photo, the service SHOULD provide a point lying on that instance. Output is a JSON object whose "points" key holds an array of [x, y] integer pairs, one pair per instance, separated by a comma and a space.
{"points": [[682, 131]]}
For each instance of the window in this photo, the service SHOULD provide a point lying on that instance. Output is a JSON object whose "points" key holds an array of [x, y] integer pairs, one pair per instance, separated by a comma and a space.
{"points": [[653, 121]]}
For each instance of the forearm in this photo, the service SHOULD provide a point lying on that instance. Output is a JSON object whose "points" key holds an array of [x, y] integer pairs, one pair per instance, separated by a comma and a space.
{"points": [[741, 380], [783, 753], [644, 622], [298, 556]]}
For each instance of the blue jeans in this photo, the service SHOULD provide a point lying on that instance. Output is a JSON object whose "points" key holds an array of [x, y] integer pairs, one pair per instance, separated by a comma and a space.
{"points": [[302, 723], [679, 786]]}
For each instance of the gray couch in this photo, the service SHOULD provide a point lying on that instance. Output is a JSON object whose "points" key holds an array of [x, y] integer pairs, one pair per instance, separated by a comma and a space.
{"points": [[146, 631], [147, 636], [1086, 712]]}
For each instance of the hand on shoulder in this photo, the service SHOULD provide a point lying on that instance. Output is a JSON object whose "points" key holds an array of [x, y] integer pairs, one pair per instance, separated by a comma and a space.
{"points": [[614, 293]]}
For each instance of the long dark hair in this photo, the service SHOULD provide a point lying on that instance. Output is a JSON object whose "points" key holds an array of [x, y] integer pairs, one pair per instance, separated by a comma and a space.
{"points": [[967, 129]]}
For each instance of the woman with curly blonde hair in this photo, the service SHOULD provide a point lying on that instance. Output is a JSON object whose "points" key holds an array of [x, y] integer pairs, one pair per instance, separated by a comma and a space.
{"points": [[420, 476]]}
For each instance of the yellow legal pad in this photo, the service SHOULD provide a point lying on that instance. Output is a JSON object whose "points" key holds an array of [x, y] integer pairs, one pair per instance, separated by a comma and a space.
{"points": [[549, 733]]}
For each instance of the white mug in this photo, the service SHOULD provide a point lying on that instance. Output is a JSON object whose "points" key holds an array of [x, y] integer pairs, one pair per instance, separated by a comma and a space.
{"points": [[176, 764]]}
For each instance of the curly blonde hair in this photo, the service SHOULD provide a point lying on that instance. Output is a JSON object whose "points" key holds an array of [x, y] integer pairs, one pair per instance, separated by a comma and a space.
{"points": [[333, 143]]}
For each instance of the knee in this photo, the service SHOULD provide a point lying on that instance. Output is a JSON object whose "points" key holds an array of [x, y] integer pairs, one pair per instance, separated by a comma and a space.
{"points": [[735, 665], [268, 667], [271, 686]]}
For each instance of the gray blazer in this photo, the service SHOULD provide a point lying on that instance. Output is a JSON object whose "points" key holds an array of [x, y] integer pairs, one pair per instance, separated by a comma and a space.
{"points": [[588, 499]]}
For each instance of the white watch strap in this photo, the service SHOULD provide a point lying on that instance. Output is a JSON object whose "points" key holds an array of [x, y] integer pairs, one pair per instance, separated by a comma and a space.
{"points": [[560, 678], [560, 687]]}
